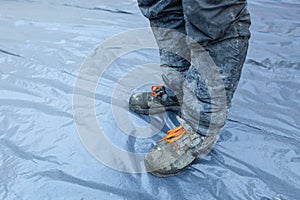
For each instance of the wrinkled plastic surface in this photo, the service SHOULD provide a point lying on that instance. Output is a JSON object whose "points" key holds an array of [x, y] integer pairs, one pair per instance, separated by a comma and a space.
{"points": [[43, 43]]}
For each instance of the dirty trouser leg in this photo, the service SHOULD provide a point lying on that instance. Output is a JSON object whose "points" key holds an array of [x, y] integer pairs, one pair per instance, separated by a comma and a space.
{"points": [[222, 28], [168, 15]]}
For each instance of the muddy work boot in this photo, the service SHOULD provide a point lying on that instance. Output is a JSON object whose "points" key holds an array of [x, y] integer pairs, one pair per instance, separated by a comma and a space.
{"points": [[154, 102], [177, 151]]}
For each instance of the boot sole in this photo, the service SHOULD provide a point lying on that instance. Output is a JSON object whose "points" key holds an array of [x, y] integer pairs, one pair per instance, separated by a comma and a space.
{"points": [[172, 173], [154, 111]]}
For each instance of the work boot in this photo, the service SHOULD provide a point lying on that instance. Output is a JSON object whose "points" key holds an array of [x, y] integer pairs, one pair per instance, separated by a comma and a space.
{"points": [[178, 150], [154, 102]]}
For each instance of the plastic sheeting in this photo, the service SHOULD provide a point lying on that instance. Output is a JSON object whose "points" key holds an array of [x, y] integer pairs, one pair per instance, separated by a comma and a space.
{"points": [[43, 43]]}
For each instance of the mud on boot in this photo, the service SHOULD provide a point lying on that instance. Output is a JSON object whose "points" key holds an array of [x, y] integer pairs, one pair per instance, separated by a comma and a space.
{"points": [[154, 102], [178, 150]]}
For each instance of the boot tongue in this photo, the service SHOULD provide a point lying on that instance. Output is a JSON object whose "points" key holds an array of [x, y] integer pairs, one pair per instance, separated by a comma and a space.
{"points": [[185, 124]]}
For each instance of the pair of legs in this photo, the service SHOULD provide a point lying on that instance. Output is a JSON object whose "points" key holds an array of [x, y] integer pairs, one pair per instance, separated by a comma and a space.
{"points": [[221, 28], [203, 45]]}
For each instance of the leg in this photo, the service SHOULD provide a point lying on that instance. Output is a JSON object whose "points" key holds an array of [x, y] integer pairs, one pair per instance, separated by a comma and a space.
{"points": [[222, 28], [168, 14], [166, 19]]}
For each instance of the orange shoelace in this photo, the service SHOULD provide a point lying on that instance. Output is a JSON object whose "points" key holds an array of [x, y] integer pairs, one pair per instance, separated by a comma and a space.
{"points": [[174, 134], [157, 90]]}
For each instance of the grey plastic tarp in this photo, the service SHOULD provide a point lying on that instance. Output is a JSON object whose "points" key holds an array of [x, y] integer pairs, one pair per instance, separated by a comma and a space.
{"points": [[42, 45]]}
